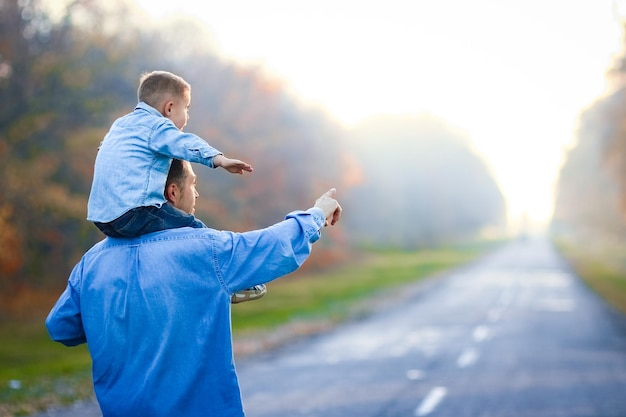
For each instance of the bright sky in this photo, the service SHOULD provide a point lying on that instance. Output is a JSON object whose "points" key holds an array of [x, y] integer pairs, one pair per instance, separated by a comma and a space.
{"points": [[514, 74]]}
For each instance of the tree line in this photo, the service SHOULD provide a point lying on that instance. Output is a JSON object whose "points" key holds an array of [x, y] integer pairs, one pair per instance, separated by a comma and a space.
{"points": [[424, 183], [591, 190], [67, 73]]}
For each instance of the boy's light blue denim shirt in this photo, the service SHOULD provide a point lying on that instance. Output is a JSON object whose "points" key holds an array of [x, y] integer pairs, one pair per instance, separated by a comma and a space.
{"points": [[155, 313], [134, 159]]}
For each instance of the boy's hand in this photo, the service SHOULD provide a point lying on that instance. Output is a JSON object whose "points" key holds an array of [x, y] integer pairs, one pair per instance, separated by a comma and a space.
{"points": [[234, 166], [330, 207]]}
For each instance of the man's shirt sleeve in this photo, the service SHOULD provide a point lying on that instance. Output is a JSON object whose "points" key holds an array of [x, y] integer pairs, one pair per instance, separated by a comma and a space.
{"points": [[64, 322], [257, 257]]}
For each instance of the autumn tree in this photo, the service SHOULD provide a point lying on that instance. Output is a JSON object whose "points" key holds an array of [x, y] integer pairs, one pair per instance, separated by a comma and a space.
{"points": [[591, 189], [587, 194], [614, 132], [61, 79]]}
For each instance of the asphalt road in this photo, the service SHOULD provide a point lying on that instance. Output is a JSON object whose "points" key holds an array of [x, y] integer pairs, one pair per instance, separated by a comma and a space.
{"points": [[515, 334]]}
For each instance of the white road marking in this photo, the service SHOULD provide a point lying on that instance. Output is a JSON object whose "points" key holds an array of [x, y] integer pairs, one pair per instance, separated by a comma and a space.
{"points": [[481, 333], [468, 357], [431, 401]]}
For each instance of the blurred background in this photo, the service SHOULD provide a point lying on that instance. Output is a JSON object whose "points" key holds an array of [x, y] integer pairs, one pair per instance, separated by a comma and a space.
{"points": [[437, 122]]}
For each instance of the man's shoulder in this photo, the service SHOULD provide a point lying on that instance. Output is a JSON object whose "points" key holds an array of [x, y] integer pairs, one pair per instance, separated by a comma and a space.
{"points": [[183, 233]]}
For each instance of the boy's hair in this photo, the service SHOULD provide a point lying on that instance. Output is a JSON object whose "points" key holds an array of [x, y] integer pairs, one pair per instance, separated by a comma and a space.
{"points": [[176, 175], [156, 86]]}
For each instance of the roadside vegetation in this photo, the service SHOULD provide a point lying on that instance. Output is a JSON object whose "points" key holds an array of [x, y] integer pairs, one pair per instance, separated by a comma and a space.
{"points": [[590, 194], [601, 265], [36, 373]]}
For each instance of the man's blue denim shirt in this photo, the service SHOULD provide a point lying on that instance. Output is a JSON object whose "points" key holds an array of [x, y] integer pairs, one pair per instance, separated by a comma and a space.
{"points": [[155, 313], [134, 159]]}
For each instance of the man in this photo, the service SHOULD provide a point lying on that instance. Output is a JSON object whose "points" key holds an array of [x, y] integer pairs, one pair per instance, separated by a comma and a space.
{"points": [[155, 310], [180, 191]]}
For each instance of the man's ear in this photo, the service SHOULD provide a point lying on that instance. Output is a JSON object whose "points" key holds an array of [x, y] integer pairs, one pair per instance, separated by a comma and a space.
{"points": [[172, 193]]}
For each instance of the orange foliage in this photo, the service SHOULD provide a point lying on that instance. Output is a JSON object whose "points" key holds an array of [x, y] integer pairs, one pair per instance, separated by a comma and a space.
{"points": [[26, 303], [353, 171], [11, 256]]}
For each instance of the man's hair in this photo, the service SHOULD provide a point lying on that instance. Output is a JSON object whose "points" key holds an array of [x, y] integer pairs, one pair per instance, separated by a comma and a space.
{"points": [[176, 175], [156, 86]]}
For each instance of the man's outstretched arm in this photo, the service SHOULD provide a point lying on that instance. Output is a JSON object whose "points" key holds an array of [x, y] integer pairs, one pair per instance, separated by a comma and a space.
{"points": [[257, 257]]}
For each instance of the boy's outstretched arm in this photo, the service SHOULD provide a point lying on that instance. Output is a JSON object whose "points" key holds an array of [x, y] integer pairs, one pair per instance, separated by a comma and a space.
{"points": [[234, 166]]}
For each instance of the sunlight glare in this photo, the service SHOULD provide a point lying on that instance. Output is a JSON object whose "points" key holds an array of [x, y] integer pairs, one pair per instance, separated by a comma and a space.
{"points": [[513, 74]]}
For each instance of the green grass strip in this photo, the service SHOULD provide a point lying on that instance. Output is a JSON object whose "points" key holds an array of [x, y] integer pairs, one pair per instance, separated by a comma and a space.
{"points": [[332, 294], [36, 373]]}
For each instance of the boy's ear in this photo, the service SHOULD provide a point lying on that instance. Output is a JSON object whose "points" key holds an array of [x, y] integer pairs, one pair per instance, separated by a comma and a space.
{"points": [[166, 108]]}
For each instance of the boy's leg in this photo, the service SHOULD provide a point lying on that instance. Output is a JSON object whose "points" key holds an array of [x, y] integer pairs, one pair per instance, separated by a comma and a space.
{"points": [[108, 229], [143, 220], [133, 223]]}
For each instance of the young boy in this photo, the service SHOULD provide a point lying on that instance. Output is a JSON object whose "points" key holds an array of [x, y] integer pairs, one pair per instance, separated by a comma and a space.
{"points": [[133, 160]]}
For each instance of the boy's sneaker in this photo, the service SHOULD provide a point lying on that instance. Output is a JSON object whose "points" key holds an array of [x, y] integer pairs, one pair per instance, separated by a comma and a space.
{"points": [[249, 294]]}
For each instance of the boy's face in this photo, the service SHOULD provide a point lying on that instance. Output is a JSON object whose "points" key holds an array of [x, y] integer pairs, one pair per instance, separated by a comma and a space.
{"points": [[179, 113]]}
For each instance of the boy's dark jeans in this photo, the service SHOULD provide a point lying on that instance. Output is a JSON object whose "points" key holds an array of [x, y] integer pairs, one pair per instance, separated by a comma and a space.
{"points": [[143, 220]]}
